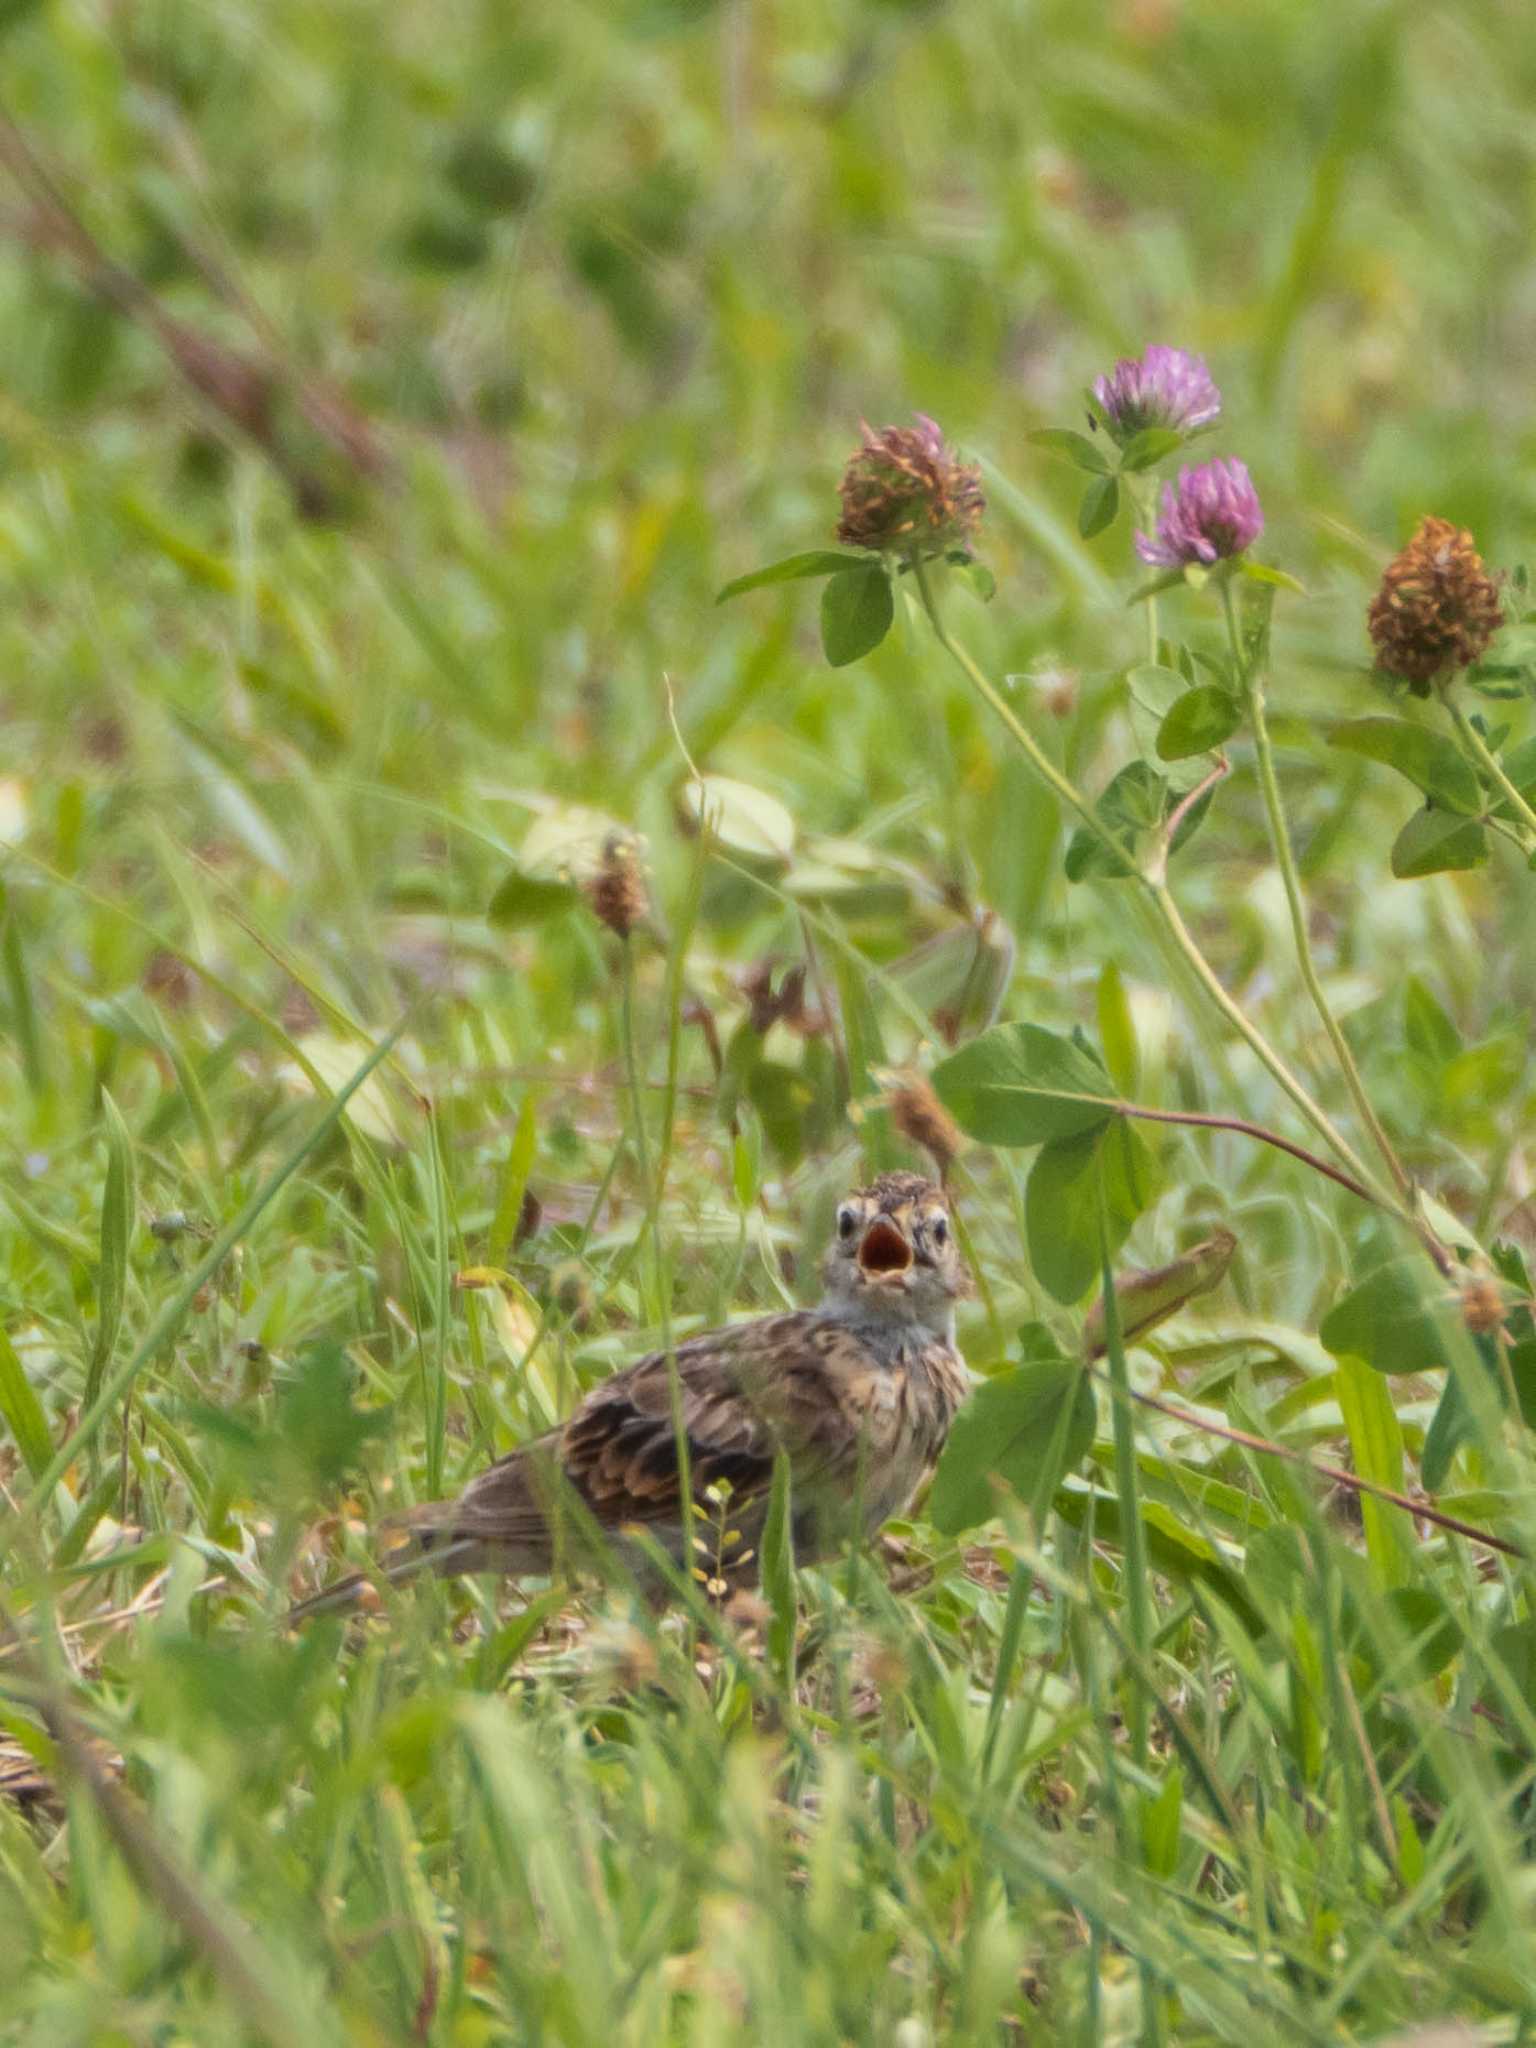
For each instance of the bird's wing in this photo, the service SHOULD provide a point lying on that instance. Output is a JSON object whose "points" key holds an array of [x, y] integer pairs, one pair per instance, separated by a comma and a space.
{"points": [[786, 1382]]}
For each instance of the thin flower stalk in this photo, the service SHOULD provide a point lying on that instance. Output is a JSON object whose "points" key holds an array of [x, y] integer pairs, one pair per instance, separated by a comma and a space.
{"points": [[654, 1189], [1135, 1577], [1473, 741], [1285, 860], [1144, 498], [1166, 908], [1039, 759], [1244, 1026]]}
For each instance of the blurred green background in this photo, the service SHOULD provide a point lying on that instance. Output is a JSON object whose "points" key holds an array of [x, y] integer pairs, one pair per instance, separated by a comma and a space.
{"points": [[614, 285]]}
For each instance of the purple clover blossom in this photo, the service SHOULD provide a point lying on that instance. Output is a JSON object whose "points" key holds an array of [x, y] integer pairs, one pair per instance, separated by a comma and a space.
{"points": [[1211, 514], [1167, 388]]}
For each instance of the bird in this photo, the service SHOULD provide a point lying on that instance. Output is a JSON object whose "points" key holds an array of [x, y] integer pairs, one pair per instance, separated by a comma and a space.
{"points": [[857, 1393]]}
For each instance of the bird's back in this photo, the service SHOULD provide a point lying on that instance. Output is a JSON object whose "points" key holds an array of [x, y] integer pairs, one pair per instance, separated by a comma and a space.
{"points": [[860, 1412]]}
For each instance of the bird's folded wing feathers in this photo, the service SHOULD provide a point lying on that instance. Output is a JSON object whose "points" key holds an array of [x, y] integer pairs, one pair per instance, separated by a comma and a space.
{"points": [[786, 1382]]}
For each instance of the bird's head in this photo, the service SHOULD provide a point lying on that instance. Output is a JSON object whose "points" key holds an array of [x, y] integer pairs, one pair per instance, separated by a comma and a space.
{"points": [[894, 1254]]}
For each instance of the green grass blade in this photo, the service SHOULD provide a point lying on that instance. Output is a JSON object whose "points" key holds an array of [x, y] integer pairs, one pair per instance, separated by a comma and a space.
{"points": [[171, 1318], [23, 1411], [118, 1211]]}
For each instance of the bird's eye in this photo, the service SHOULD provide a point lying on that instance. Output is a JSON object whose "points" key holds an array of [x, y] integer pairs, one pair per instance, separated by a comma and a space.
{"points": [[847, 1221], [938, 1229]]}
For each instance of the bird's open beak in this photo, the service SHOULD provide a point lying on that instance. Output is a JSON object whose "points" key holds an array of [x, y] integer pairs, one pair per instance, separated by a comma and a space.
{"points": [[884, 1252]]}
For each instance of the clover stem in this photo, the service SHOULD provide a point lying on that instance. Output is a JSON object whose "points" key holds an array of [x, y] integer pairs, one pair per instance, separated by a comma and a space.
{"points": [[1489, 761], [1157, 867], [1167, 909], [1135, 1577], [653, 1195], [632, 1064], [1246, 1029], [1285, 859], [1144, 501], [1040, 760]]}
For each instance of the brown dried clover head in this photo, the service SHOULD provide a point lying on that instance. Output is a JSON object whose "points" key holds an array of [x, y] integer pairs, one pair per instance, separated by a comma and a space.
{"points": [[617, 891], [903, 492], [1437, 607]]}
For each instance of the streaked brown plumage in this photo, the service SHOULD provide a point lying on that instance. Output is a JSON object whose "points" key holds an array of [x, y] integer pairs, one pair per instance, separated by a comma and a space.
{"points": [[859, 1393]]}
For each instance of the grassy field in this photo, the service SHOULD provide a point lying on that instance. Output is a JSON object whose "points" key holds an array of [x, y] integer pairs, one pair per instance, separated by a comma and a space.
{"points": [[385, 396]]}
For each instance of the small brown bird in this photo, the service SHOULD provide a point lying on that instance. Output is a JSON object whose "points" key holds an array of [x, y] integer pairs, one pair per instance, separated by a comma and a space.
{"points": [[858, 1393]]}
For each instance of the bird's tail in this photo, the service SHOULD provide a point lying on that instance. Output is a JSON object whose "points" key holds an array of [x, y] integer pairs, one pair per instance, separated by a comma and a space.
{"points": [[427, 1551]]}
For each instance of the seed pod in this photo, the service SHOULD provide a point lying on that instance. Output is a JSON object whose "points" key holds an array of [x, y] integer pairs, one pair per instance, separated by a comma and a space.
{"points": [[1149, 1298]]}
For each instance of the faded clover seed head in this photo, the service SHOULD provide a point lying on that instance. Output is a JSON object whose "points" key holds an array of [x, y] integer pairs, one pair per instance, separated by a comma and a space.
{"points": [[922, 1119], [1482, 1305], [617, 891], [1437, 607], [904, 493], [1211, 514], [1167, 387]]}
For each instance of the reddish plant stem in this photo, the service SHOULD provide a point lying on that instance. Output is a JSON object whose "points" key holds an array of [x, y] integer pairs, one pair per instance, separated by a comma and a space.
{"points": [[1184, 806], [1249, 1130], [1436, 1250], [1336, 1473]]}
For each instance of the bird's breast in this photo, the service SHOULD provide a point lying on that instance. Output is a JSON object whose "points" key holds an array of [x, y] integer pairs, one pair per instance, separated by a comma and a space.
{"points": [[902, 1403]]}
